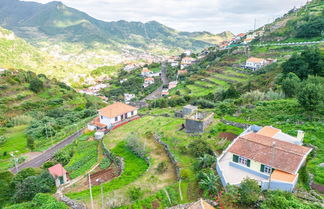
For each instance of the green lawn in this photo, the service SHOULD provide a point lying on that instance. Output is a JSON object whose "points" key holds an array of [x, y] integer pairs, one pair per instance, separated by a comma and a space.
{"points": [[16, 141], [228, 77]]}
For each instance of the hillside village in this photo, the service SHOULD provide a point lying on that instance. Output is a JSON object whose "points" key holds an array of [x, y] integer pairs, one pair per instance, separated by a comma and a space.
{"points": [[238, 124]]}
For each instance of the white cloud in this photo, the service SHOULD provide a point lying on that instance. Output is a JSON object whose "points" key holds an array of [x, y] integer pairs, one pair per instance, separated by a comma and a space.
{"points": [[188, 15]]}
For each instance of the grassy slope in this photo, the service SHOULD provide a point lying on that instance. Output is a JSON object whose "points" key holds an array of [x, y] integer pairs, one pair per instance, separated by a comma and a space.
{"points": [[18, 54]]}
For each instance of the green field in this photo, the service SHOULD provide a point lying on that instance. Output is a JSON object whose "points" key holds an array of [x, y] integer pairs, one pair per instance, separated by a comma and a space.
{"points": [[16, 141]]}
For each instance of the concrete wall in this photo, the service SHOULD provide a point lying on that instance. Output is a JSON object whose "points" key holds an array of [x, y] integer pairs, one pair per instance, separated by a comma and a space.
{"points": [[278, 185], [220, 173]]}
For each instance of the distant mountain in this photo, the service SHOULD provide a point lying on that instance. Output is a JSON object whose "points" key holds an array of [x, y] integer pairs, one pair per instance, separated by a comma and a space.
{"points": [[56, 22], [209, 37]]}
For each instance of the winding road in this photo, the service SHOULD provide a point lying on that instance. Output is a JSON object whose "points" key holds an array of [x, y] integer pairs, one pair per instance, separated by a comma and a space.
{"points": [[46, 155]]}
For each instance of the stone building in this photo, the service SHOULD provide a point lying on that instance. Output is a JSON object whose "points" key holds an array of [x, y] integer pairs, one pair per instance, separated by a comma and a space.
{"points": [[197, 122]]}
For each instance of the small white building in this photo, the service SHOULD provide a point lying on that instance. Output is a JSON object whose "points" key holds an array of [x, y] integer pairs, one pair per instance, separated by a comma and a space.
{"points": [[129, 97], [59, 174], [188, 52], [148, 82], [173, 84], [115, 113], [2, 71], [146, 72], [255, 63]]}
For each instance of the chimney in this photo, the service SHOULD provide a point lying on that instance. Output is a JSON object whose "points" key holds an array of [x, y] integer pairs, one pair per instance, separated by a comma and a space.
{"points": [[300, 135]]}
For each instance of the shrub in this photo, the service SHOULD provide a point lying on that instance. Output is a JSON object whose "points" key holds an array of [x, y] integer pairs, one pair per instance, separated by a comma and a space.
{"points": [[135, 145], [249, 192], [36, 85], [105, 163], [199, 147], [162, 167], [135, 193], [253, 96], [3, 140]]}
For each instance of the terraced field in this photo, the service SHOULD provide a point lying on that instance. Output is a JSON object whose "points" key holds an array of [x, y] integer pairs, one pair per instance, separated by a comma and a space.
{"points": [[213, 82]]}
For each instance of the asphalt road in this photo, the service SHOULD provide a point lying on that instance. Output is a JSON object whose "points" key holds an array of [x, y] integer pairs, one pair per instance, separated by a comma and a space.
{"points": [[158, 92], [48, 154]]}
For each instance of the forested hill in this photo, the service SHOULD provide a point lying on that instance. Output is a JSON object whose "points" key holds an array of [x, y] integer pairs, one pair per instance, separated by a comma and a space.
{"points": [[57, 22], [303, 24]]}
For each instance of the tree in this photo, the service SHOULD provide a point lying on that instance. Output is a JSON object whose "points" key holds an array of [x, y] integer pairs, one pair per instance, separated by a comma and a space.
{"points": [[315, 61], [209, 183], [6, 190], [199, 147], [311, 94], [205, 161], [135, 193], [290, 85], [282, 200], [36, 85], [29, 187], [249, 192], [296, 65]]}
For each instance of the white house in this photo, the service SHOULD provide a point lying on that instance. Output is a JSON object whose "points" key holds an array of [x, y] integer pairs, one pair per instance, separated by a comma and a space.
{"points": [[255, 63], [129, 97], [2, 70], [172, 84], [114, 114], [264, 154], [146, 72], [188, 52], [59, 174], [148, 82], [186, 61]]}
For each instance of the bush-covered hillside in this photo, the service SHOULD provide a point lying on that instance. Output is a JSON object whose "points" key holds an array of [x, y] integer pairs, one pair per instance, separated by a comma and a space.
{"points": [[36, 112]]}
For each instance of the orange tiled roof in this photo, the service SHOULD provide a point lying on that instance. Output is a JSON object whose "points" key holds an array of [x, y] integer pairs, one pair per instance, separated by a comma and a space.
{"points": [[116, 109], [57, 170], [283, 176], [255, 60], [149, 79], [284, 156], [268, 131], [97, 123], [200, 204], [145, 70]]}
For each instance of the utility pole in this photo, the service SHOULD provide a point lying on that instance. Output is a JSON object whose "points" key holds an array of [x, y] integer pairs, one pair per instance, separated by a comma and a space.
{"points": [[90, 191], [180, 192], [15, 160]]}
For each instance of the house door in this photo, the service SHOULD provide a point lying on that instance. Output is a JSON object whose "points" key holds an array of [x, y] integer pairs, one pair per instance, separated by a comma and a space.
{"points": [[126, 116], [122, 117], [61, 180]]}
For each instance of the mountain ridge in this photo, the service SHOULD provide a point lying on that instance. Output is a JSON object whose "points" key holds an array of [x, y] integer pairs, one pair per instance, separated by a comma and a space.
{"points": [[58, 22]]}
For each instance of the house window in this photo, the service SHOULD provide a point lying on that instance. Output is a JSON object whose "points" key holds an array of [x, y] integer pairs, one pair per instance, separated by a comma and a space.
{"points": [[116, 118], [241, 160], [266, 169], [132, 113], [101, 117]]}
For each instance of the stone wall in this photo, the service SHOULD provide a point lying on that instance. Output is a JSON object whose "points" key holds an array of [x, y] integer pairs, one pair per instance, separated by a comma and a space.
{"points": [[236, 124], [170, 155], [71, 203]]}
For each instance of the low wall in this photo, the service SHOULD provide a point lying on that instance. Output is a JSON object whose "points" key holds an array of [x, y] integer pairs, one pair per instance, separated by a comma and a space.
{"points": [[71, 203], [231, 123], [170, 155]]}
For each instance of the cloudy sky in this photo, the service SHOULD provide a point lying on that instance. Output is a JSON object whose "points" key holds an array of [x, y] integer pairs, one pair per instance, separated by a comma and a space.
{"points": [[189, 15]]}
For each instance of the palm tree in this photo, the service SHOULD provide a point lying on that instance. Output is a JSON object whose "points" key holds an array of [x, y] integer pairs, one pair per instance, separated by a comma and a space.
{"points": [[209, 183], [206, 161]]}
